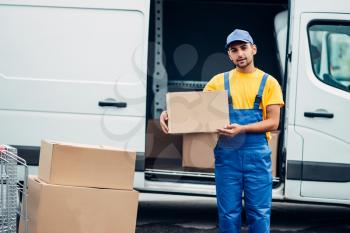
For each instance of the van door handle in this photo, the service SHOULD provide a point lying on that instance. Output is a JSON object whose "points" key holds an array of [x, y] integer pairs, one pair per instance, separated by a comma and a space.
{"points": [[112, 103], [318, 114]]}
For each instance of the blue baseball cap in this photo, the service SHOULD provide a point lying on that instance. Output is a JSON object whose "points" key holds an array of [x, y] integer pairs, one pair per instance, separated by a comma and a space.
{"points": [[238, 35]]}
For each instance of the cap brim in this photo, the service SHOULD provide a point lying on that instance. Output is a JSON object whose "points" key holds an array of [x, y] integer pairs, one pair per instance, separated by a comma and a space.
{"points": [[228, 44]]}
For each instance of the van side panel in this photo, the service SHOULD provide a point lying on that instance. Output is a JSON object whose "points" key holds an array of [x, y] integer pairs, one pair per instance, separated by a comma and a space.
{"points": [[318, 145], [60, 59]]}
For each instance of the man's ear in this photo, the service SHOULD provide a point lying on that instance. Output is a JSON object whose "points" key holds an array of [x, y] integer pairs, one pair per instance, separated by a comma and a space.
{"points": [[229, 55], [255, 49]]}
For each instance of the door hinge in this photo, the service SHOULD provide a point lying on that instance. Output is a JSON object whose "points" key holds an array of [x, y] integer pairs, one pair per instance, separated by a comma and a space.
{"points": [[289, 56]]}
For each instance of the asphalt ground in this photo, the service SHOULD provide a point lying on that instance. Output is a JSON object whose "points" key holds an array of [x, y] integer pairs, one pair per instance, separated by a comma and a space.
{"points": [[187, 214]]}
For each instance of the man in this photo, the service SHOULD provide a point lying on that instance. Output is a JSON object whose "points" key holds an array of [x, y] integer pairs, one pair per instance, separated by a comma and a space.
{"points": [[242, 155]]}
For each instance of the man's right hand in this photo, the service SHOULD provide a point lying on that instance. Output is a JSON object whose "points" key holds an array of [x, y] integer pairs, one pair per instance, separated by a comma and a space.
{"points": [[164, 121]]}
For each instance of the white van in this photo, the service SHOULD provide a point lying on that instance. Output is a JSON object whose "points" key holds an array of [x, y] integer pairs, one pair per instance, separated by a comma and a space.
{"points": [[97, 71]]}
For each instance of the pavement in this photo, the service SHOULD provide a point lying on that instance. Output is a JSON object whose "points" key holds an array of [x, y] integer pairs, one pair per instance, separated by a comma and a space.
{"points": [[189, 214]]}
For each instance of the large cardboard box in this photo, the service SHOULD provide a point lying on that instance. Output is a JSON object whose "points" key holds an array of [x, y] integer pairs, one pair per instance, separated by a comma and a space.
{"points": [[197, 112], [86, 165], [161, 145], [68, 209], [273, 143], [198, 150]]}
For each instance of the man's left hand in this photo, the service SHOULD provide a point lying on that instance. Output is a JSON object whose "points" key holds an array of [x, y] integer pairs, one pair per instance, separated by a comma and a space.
{"points": [[231, 130]]}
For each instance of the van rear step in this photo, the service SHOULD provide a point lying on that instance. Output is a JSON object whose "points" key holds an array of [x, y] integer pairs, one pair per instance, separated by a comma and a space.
{"points": [[186, 177], [179, 176]]}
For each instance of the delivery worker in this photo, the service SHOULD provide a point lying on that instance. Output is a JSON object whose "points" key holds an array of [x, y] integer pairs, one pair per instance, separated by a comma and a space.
{"points": [[242, 154]]}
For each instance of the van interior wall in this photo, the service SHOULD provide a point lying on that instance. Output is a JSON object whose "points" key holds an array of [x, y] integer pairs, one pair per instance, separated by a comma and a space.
{"points": [[194, 36], [198, 29], [195, 31]]}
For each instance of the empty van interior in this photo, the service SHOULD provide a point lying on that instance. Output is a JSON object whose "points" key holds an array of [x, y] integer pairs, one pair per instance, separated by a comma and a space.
{"points": [[194, 36]]}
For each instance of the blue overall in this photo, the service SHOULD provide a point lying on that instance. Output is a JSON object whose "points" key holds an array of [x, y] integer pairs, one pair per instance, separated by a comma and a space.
{"points": [[243, 164]]}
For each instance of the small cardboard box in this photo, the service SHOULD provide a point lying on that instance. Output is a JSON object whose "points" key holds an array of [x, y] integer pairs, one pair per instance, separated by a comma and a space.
{"points": [[198, 150], [197, 112], [68, 209], [273, 143], [86, 165], [161, 145]]}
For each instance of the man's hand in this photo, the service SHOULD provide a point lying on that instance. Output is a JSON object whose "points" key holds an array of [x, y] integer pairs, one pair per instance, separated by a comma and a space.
{"points": [[270, 123], [231, 130], [164, 121]]}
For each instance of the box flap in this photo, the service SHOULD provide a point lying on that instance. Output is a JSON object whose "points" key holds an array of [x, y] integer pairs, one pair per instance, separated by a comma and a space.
{"points": [[81, 145], [45, 160], [35, 188]]}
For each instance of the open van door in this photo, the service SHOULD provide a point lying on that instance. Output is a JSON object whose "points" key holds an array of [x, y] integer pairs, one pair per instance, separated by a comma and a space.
{"points": [[321, 57], [74, 71]]}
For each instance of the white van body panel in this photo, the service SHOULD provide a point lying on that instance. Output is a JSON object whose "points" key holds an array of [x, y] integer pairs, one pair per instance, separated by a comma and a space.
{"points": [[315, 140], [325, 140], [294, 146], [89, 129], [60, 58]]}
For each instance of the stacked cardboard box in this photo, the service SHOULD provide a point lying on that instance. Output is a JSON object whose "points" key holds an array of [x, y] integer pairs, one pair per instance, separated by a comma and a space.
{"points": [[197, 112], [273, 143], [198, 150], [160, 145], [82, 189], [197, 115]]}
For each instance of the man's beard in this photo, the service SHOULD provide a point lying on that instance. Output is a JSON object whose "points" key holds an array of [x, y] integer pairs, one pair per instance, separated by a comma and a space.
{"points": [[245, 65]]}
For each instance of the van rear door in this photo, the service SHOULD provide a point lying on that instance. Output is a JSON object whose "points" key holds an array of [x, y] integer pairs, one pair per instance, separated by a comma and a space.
{"points": [[73, 71], [321, 57]]}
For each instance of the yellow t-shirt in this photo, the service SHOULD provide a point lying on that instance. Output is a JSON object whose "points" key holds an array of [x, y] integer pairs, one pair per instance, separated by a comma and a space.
{"points": [[244, 88]]}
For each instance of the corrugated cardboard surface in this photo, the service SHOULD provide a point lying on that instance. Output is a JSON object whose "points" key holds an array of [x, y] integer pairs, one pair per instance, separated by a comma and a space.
{"points": [[198, 150], [161, 145], [45, 160], [194, 112], [85, 165], [273, 143], [68, 209]]}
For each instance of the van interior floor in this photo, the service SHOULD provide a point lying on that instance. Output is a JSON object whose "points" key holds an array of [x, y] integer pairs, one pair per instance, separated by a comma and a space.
{"points": [[171, 170], [172, 164]]}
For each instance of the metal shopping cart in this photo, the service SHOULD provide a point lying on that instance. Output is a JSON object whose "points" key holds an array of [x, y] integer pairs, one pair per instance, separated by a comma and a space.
{"points": [[13, 185]]}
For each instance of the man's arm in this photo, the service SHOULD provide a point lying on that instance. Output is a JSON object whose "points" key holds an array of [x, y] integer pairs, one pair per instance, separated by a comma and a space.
{"points": [[270, 123]]}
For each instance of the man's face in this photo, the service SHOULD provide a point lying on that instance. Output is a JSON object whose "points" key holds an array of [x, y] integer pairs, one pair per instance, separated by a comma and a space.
{"points": [[241, 53]]}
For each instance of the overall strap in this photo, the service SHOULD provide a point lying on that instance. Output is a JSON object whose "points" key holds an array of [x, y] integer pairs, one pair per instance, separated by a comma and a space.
{"points": [[227, 87], [258, 97]]}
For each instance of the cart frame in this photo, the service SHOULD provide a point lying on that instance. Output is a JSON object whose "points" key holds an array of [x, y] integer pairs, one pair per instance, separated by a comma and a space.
{"points": [[11, 189]]}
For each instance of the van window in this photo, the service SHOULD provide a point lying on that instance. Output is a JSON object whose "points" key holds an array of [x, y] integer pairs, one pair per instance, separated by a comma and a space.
{"points": [[329, 44]]}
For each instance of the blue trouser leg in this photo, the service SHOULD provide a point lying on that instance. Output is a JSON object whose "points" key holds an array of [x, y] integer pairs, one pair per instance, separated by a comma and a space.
{"points": [[257, 188], [228, 178], [247, 169]]}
